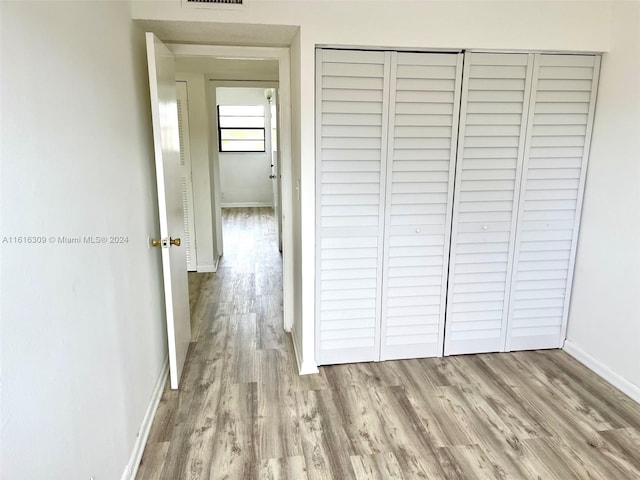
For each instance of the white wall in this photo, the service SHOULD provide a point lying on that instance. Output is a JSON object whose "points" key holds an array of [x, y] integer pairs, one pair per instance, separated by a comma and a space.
{"points": [[204, 216], [244, 177], [604, 320], [225, 69], [83, 335], [522, 25]]}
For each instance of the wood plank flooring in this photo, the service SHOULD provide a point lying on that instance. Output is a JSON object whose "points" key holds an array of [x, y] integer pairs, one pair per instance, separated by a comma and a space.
{"points": [[242, 411]]}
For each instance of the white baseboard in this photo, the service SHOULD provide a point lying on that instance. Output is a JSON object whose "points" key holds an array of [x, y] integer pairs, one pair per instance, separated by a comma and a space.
{"points": [[208, 268], [604, 371], [303, 368], [143, 433], [246, 205]]}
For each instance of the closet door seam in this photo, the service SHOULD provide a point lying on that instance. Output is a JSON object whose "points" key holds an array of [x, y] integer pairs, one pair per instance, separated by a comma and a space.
{"points": [[388, 109], [527, 112], [386, 205]]}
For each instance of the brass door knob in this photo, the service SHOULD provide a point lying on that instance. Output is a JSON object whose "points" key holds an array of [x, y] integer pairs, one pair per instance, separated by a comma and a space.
{"points": [[155, 243], [174, 241]]}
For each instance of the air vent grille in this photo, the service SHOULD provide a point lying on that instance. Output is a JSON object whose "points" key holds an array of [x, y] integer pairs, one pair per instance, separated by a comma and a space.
{"points": [[218, 2]]}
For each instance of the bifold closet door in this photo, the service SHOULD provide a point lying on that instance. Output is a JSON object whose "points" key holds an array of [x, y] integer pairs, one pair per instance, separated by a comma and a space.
{"points": [[423, 123], [352, 112], [555, 162], [493, 119]]}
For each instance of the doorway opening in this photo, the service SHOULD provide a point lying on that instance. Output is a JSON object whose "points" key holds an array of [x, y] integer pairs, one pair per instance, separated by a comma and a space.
{"points": [[204, 225], [209, 71], [246, 137]]}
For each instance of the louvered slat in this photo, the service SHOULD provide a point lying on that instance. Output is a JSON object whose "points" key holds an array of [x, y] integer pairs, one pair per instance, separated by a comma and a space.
{"points": [[352, 95], [186, 186], [420, 172], [556, 153], [491, 139]]}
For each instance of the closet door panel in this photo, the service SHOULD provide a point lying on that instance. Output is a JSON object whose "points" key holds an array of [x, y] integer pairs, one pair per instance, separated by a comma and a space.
{"points": [[424, 111], [352, 102], [493, 120], [556, 153]]}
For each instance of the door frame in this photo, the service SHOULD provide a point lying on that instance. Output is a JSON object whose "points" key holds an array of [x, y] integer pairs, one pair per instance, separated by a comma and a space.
{"points": [[282, 56]]}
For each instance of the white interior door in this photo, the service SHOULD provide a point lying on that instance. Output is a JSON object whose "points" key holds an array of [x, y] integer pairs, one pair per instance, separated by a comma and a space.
{"points": [[166, 141], [186, 183]]}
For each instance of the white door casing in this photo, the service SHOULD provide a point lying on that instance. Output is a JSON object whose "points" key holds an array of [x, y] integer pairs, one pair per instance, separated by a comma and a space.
{"points": [[164, 114]]}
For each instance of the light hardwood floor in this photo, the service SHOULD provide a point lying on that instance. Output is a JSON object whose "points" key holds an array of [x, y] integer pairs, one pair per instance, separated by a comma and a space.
{"points": [[242, 411]]}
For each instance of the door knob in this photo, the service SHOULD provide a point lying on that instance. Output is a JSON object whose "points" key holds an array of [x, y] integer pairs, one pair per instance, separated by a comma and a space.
{"points": [[272, 176], [163, 243]]}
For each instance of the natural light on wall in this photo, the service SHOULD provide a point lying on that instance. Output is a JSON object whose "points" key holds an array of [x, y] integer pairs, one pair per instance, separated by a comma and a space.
{"points": [[241, 128]]}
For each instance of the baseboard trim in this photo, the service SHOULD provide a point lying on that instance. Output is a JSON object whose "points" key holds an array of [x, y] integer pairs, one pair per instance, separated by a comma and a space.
{"points": [[246, 205], [303, 368], [145, 428], [618, 381], [208, 268]]}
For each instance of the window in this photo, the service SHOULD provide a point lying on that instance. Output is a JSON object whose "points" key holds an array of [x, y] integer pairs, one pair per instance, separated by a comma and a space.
{"points": [[241, 128]]}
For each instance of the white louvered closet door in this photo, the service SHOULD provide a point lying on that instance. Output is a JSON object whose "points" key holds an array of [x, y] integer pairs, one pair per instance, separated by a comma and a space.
{"points": [[186, 184], [352, 106], [423, 123], [493, 121], [558, 136]]}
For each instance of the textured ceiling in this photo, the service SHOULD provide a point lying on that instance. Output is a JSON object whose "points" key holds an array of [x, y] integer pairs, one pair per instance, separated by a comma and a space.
{"points": [[220, 33]]}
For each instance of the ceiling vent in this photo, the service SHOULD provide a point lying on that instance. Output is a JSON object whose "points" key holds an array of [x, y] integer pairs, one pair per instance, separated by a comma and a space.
{"points": [[217, 2]]}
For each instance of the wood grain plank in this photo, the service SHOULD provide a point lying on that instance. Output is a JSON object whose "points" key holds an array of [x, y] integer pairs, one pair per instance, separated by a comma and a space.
{"points": [[406, 437], [622, 446], [164, 420], [269, 322], [277, 425], [324, 443], [153, 460], [468, 461], [382, 466], [242, 348], [358, 415], [290, 468], [233, 452]]}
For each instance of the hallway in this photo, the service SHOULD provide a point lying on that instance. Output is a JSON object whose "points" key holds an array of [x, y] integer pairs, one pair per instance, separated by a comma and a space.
{"points": [[235, 415], [243, 412]]}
